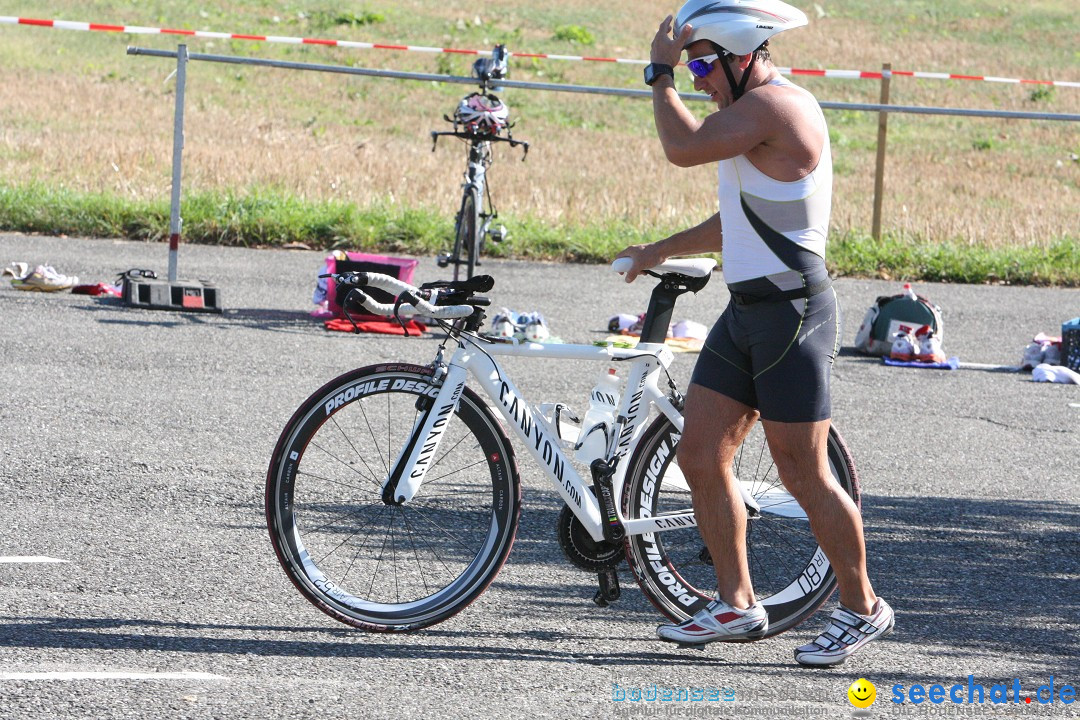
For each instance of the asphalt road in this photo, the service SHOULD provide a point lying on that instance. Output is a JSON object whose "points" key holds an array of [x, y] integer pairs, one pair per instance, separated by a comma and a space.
{"points": [[135, 445]]}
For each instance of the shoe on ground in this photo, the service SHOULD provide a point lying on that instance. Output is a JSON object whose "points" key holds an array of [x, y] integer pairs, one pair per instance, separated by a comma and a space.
{"points": [[905, 347], [930, 350], [718, 621], [845, 634], [44, 279], [17, 270], [1033, 355], [1052, 354], [504, 324], [536, 329]]}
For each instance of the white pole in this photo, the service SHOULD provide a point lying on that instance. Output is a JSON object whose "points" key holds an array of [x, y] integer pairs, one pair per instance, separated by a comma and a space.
{"points": [[175, 222]]}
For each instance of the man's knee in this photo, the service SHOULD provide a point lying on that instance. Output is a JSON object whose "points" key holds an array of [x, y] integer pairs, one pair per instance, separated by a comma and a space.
{"points": [[801, 460], [697, 461]]}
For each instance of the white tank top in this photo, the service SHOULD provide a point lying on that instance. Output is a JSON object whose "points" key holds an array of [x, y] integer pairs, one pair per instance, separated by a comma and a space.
{"points": [[791, 218]]}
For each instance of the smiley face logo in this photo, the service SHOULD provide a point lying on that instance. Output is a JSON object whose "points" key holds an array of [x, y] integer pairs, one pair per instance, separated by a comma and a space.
{"points": [[862, 693]]}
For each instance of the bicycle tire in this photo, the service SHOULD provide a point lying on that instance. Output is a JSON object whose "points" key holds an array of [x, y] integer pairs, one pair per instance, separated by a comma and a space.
{"points": [[790, 573], [466, 243], [381, 567]]}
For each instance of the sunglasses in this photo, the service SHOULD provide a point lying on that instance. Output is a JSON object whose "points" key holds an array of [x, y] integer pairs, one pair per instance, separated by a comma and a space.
{"points": [[702, 66]]}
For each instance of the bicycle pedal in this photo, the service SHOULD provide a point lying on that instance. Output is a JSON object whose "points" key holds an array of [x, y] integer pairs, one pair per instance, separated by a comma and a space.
{"points": [[498, 234], [442, 261]]}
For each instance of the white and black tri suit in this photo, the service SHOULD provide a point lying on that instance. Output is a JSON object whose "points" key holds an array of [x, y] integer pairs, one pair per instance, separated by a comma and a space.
{"points": [[773, 346]]}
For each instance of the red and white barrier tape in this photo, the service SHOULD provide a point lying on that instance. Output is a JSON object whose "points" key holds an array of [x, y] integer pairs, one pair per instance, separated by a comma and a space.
{"points": [[139, 30]]}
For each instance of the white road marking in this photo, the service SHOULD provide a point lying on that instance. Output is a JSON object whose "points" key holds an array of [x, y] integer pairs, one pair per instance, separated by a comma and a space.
{"points": [[30, 559], [106, 675]]}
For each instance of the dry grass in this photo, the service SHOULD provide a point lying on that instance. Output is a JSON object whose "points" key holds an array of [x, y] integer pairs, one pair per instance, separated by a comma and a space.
{"points": [[75, 111]]}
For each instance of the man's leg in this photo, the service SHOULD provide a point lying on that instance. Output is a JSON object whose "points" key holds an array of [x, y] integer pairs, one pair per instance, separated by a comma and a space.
{"points": [[715, 426], [800, 453]]}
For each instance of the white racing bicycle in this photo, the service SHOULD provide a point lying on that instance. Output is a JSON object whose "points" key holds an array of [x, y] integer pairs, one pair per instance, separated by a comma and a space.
{"points": [[393, 495]]}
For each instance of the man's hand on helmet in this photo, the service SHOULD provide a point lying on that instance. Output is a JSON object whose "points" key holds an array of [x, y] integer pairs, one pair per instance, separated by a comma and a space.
{"points": [[667, 49]]}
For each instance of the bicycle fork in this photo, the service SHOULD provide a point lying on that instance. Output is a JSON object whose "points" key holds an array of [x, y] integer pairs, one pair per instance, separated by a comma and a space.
{"points": [[408, 472]]}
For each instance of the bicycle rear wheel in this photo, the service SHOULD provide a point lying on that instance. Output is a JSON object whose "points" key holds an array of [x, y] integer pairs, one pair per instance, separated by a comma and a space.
{"points": [[790, 573], [466, 244], [389, 567]]}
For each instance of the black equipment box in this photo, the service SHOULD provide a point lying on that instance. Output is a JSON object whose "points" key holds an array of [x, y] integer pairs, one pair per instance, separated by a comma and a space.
{"points": [[183, 295]]}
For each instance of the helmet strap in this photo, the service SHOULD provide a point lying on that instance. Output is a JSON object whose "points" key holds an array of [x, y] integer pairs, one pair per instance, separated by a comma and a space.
{"points": [[738, 90]]}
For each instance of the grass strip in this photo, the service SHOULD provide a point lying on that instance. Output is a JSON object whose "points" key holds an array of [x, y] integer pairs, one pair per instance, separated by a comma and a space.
{"points": [[266, 218]]}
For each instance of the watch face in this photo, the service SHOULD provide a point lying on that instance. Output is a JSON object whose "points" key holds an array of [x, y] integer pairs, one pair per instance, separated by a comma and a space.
{"points": [[653, 72]]}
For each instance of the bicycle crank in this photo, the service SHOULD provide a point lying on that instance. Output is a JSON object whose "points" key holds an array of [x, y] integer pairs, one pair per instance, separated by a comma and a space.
{"points": [[596, 557]]}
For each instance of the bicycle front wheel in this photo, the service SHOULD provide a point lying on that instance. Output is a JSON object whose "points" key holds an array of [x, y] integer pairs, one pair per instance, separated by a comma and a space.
{"points": [[790, 573], [390, 567], [466, 243]]}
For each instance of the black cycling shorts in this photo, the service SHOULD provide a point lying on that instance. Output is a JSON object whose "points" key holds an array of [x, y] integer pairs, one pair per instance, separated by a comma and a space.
{"points": [[775, 356]]}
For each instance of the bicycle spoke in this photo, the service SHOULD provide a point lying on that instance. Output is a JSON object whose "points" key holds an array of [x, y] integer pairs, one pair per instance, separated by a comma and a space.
{"points": [[307, 474], [423, 515], [355, 556], [351, 445], [435, 554], [386, 465], [339, 460], [351, 511], [378, 564], [782, 556], [481, 461], [393, 556], [338, 546], [416, 553], [452, 448]]}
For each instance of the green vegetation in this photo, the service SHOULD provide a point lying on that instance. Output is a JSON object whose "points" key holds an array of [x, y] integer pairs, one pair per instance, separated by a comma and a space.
{"points": [[574, 34], [325, 19], [261, 218]]}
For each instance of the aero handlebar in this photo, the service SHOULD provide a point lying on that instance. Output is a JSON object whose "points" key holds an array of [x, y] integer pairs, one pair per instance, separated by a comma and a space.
{"points": [[410, 300]]}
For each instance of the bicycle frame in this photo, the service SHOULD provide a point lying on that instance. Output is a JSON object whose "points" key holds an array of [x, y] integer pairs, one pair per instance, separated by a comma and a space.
{"points": [[540, 439], [476, 180]]}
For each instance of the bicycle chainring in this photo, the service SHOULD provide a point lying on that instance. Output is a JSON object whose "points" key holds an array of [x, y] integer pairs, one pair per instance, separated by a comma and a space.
{"points": [[581, 550]]}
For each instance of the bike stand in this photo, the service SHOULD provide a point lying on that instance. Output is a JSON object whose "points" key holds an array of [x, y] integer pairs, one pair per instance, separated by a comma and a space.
{"points": [[146, 291], [184, 295]]}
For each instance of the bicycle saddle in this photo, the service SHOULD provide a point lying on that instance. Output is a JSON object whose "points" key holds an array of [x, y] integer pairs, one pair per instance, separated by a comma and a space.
{"points": [[690, 267]]}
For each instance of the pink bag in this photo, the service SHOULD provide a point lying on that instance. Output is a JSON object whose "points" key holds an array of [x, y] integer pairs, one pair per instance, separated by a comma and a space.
{"points": [[400, 268]]}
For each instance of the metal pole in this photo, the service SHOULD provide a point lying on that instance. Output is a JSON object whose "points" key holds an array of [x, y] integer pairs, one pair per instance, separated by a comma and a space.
{"points": [[175, 222], [620, 92], [882, 134]]}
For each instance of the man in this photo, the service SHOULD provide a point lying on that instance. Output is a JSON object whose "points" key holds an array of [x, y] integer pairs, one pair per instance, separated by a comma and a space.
{"points": [[770, 353]]}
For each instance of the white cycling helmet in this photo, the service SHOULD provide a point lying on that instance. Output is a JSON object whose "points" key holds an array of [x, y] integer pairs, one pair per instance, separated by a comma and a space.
{"points": [[738, 26], [482, 113]]}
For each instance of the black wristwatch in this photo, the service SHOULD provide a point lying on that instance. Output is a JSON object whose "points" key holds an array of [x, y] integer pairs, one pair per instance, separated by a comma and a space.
{"points": [[653, 72]]}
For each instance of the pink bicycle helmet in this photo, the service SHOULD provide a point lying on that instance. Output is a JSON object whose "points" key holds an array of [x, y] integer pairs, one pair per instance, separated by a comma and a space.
{"points": [[482, 114]]}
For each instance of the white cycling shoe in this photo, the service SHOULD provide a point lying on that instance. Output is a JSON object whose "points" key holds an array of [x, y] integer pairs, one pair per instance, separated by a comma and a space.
{"points": [[846, 632], [718, 621]]}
